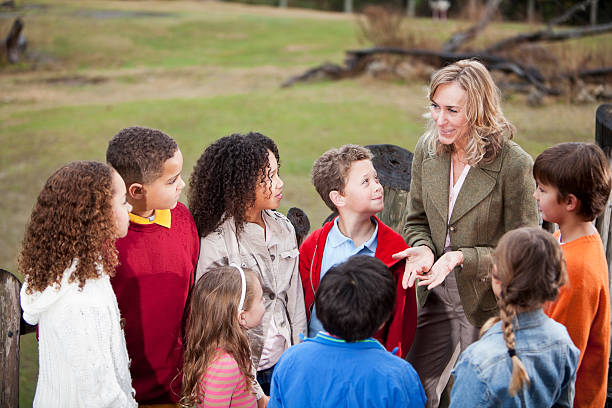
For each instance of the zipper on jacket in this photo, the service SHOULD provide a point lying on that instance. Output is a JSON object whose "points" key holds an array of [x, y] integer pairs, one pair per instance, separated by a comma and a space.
{"points": [[311, 283]]}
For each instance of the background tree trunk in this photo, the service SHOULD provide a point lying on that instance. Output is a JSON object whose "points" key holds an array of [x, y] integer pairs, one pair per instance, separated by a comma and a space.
{"points": [[410, 8], [472, 9], [348, 6], [530, 11], [594, 4]]}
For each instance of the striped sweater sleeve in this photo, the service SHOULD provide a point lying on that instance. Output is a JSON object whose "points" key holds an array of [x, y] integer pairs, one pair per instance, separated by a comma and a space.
{"points": [[224, 385]]}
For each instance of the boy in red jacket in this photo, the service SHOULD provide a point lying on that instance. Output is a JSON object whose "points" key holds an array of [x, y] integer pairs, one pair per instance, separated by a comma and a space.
{"points": [[348, 184]]}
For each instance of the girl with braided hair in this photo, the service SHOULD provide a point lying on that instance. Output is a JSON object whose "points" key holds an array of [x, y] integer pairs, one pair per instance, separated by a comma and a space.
{"points": [[523, 358]]}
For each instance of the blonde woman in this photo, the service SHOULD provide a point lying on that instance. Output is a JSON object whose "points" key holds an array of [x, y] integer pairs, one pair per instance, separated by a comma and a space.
{"points": [[470, 184]]}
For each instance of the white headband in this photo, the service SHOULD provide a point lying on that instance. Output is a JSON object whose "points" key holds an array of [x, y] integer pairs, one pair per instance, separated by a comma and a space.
{"points": [[243, 286]]}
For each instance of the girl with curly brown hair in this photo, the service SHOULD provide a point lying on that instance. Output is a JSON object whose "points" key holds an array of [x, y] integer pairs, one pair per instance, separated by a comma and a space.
{"points": [[526, 359], [67, 258], [217, 368], [234, 191]]}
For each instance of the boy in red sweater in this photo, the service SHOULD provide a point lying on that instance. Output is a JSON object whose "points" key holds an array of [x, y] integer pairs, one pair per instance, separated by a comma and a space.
{"points": [[348, 183], [573, 188], [157, 260]]}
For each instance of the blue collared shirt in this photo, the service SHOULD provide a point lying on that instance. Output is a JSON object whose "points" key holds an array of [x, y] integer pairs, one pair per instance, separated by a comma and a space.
{"points": [[339, 248]]}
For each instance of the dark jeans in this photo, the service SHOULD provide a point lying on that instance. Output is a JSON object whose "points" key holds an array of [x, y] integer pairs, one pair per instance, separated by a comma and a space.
{"points": [[264, 378]]}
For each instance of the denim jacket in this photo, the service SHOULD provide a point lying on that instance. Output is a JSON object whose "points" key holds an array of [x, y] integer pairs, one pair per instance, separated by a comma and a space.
{"points": [[483, 371]]}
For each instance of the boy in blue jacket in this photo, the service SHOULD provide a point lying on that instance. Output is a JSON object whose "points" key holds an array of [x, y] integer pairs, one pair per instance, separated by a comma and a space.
{"points": [[344, 366]]}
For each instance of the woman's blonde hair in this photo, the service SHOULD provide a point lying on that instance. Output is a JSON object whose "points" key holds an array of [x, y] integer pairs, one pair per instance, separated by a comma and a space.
{"points": [[212, 323], [488, 128], [531, 268]]}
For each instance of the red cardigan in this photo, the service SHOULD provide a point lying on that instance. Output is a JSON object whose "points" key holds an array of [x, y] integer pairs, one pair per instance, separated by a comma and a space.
{"points": [[152, 282], [399, 330]]}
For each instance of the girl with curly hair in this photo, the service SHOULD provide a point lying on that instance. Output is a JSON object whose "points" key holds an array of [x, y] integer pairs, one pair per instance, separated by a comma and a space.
{"points": [[67, 259], [217, 368], [526, 359], [234, 190]]}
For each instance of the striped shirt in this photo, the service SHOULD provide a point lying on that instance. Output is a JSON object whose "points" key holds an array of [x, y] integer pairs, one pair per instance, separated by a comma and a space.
{"points": [[224, 385]]}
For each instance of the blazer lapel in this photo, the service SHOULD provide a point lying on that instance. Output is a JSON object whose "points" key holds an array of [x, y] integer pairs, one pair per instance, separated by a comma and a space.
{"points": [[478, 184], [435, 179]]}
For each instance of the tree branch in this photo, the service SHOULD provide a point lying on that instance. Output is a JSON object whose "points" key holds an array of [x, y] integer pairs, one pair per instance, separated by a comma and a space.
{"points": [[549, 35], [570, 12], [461, 37]]}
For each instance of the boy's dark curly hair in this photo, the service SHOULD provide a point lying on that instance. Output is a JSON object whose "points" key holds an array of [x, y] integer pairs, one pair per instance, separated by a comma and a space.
{"points": [[139, 153], [224, 179], [72, 218]]}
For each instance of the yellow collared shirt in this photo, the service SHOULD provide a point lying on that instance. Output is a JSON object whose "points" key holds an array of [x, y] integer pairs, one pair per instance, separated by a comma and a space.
{"points": [[162, 217]]}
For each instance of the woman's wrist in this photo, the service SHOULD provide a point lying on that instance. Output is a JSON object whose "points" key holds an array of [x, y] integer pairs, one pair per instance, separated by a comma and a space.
{"points": [[460, 258]]}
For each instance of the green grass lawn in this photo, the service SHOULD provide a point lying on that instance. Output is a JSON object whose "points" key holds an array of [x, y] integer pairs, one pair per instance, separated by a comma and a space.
{"points": [[199, 71]]}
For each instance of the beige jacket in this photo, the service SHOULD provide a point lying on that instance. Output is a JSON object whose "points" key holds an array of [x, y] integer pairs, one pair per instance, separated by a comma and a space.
{"points": [[495, 198], [277, 264]]}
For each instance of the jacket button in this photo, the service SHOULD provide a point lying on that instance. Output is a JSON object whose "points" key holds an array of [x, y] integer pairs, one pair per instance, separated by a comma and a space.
{"points": [[452, 228], [272, 296]]}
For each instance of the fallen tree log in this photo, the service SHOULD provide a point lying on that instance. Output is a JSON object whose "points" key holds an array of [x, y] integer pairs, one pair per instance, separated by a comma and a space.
{"points": [[326, 70], [441, 58], [357, 61], [527, 70], [548, 36], [593, 72]]}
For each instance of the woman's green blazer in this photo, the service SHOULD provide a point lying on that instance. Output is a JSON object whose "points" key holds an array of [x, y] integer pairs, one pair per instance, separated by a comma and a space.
{"points": [[496, 197]]}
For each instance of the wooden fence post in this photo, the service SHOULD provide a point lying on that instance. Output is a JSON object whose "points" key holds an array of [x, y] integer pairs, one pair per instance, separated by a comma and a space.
{"points": [[10, 310], [393, 165], [603, 138]]}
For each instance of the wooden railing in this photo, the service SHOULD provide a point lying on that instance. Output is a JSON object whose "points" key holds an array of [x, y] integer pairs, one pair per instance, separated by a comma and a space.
{"points": [[10, 311], [603, 138]]}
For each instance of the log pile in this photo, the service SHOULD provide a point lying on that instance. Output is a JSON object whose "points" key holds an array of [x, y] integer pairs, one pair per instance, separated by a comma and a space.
{"points": [[512, 73]]}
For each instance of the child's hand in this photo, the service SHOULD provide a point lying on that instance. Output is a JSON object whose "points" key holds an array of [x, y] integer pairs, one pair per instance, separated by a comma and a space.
{"points": [[418, 261], [263, 401], [441, 269]]}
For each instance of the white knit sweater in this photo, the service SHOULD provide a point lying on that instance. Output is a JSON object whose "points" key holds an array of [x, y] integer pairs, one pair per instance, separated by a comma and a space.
{"points": [[83, 360]]}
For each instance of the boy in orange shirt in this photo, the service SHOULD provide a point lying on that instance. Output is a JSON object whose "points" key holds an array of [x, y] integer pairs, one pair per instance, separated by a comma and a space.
{"points": [[573, 187]]}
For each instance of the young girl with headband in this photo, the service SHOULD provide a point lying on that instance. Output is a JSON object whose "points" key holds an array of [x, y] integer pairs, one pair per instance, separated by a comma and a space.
{"points": [[217, 370], [526, 359]]}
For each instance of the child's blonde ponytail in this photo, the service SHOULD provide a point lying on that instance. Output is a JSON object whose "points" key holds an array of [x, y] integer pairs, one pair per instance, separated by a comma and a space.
{"points": [[520, 378]]}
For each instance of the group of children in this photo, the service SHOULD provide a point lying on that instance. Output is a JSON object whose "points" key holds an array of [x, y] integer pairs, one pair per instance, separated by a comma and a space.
{"points": [[141, 301]]}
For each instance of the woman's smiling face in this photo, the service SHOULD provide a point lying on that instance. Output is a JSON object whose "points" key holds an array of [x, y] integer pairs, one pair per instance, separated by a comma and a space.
{"points": [[448, 111]]}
